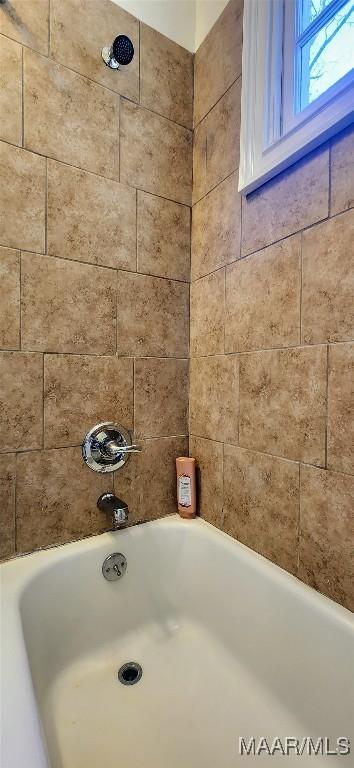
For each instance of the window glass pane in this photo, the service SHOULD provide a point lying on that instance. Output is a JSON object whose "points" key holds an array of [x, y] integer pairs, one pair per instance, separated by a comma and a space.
{"points": [[310, 9], [328, 55]]}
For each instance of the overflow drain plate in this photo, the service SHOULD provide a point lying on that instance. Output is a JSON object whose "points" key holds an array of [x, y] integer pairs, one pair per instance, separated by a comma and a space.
{"points": [[130, 673]]}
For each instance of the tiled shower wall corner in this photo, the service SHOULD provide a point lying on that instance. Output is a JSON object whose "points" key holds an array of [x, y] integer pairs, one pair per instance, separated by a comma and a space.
{"points": [[96, 181], [272, 330]]}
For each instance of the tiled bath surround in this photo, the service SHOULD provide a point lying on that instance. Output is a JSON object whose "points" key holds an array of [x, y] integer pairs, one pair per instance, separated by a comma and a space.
{"points": [[96, 182], [96, 224], [272, 330]]}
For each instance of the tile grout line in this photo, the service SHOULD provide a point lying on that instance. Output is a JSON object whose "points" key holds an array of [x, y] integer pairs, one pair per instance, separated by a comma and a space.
{"points": [[239, 401], [95, 354], [147, 109], [206, 164], [241, 226], [119, 139], [272, 455], [223, 485], [301, 287], [214, 188], [22, 99], [139, 28], [134, 378], [19, 452], [49, 30], [327, 406], [15, 508], [46, 208], [299, 524], [329, 178], [302, 345], [98, 266], [20, 302], [136, 234], [173, 357], [224, 312], [43, 409], [197, 124]]}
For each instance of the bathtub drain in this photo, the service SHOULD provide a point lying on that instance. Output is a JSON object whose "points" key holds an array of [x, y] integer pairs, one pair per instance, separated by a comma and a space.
{"points": [[130, 673]]}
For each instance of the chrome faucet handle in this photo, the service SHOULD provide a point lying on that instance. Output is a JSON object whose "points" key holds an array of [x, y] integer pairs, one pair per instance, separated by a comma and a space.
{"points": [[107, 447], [112, 448]]}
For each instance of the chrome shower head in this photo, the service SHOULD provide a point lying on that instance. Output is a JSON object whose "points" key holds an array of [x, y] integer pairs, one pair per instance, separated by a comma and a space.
{"points": [[120, 52]]}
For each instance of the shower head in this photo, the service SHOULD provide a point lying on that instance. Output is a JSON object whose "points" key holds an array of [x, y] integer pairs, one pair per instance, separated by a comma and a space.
{"points": [[120, 52]]}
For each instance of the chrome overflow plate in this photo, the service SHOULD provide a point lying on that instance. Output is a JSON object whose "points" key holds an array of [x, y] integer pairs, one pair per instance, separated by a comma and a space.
{"points": [[107, 447], [114, 566]]}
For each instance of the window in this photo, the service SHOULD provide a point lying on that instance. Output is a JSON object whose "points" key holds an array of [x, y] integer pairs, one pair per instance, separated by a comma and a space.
{"points": [[298, 81]]}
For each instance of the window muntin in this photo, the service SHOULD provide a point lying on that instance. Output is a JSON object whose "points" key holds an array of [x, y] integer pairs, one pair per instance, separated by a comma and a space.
{"points": [[310, 10], [283, 117], [325, 49]]}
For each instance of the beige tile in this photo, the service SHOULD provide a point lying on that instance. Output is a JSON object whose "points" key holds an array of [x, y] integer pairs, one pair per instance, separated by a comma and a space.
{"points": [[155, 481], [328, 281], [81, 391], [166, 77], [300, 193], [79, 31], [163, 237], [152, 316], [207, 314], [155, 154], [283, 403], [151, 489], [9, 299], [214, 397], [327, 533], [22, 198], [342, 171], [263, 298], [199, 161], [21, 401], [261, 504], [223, 136], [27, 22], [7, 505], [56, 498], [67, 306], [216, 228], [209, 458], [10, 91], [70, 118], [161, 397], [340, 446], [218, 59], [90, 218]]}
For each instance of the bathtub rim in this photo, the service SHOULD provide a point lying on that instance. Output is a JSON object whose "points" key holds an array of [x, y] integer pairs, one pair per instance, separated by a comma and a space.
{"points": [[16, 689]]}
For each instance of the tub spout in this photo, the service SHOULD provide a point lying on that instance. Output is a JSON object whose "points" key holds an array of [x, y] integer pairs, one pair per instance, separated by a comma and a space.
{"points": [[115, 508]]}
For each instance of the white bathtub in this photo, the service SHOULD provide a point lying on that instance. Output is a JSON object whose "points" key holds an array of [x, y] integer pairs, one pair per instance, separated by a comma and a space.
{"points": [[230, 645]]}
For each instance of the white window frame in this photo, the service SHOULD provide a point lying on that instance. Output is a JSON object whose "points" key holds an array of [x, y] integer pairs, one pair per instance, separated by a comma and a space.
{"points": [[264, 150]]}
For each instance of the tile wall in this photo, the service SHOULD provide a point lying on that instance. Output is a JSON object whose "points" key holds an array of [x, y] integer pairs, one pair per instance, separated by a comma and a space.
{"points": [[272, 330], [96, 170]]}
